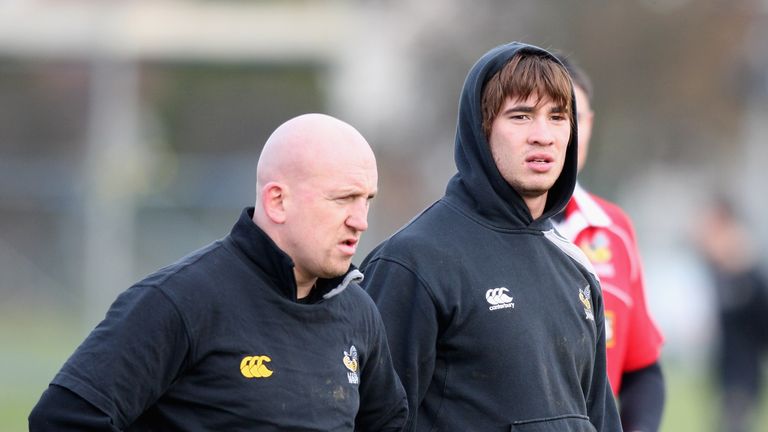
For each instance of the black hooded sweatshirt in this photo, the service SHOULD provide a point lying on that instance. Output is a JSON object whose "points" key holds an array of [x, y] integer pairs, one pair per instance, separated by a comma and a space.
{"points": [[495, 322]]}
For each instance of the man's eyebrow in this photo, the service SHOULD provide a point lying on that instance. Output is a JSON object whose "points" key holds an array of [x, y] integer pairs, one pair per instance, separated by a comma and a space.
{"points": [[351, 191], [529, 109], [519, 108]]}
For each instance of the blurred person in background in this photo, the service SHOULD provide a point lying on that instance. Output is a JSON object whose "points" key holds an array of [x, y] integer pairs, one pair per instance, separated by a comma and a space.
{"points": [[266, 329], [606, 235], [495, 322], [742, 293]]}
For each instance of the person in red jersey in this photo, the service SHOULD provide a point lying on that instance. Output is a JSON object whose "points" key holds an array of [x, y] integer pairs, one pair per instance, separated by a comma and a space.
{"points": [[606, 235]]}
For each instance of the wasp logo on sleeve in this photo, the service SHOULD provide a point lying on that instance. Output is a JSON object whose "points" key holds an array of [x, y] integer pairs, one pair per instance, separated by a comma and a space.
{"points": [[584, 295], [498, 299], [350, 361], [255, 367]]}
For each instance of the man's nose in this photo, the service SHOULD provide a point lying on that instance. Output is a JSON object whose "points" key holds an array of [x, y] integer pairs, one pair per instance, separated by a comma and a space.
{"points": [[358, 215], [542, 132]]}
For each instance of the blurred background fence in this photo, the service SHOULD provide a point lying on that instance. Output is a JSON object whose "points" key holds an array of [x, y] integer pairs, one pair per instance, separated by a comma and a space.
{"points": [[129, 132]]}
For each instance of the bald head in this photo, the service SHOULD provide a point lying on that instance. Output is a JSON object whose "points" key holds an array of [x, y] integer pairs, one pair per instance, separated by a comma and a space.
{"points": [[315, 178], [305, 144]]}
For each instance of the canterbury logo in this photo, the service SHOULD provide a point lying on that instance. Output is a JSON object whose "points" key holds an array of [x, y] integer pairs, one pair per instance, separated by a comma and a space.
{"points": [[498, 298], [254, 367]]}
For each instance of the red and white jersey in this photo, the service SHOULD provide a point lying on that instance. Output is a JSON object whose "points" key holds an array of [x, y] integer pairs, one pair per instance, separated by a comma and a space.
{"points": [[606, 235]]}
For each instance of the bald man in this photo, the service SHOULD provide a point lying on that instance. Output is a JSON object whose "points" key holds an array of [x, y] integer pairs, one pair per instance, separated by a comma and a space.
{"points": [[265, 329]]}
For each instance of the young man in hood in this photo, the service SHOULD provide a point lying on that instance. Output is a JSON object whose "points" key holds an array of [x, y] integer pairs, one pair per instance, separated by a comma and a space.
{"points": [[494, 321], [606, 235], [263, 330]]}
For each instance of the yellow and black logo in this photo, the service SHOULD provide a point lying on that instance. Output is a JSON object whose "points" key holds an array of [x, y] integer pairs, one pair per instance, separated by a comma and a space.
{"points": [[255, 367], [351, 363]]}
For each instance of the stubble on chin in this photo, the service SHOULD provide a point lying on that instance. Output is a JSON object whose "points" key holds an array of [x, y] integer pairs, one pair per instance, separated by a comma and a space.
{"points": [[334, 270], [530, 191]]}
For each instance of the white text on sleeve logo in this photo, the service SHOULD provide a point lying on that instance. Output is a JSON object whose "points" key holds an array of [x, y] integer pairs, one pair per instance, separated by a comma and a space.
{"points": [[498, 298]]}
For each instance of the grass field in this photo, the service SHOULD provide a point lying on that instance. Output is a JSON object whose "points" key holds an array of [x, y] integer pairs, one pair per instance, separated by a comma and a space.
{"points": [[692, 402], [33, 347]]}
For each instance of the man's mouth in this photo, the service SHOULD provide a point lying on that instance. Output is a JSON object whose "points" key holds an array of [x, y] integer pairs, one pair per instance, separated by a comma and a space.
{"points": [[539, 159], [540, 163], [348, 246]]}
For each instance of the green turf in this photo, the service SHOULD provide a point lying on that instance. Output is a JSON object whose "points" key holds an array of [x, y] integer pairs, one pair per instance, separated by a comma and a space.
{"points": [[692, 401], [690, 404], [33, 346]]}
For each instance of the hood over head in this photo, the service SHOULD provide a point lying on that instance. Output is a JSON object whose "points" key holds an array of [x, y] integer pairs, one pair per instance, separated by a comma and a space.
{"points": [[478, 183]]}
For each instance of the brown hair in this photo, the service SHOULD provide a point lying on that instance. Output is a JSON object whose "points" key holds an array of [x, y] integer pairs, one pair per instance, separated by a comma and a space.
{"points": [[525, 74]]}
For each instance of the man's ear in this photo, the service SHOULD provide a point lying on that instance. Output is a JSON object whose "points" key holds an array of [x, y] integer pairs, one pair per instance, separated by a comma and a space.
{"points": [[273, 196]]}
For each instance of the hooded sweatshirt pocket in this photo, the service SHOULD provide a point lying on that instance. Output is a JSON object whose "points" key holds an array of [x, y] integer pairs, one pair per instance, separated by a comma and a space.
{"points": [[567, 423]]}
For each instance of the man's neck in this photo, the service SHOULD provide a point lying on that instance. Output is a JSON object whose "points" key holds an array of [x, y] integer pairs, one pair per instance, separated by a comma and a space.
{"points": [[536, 205], [303, 285]]}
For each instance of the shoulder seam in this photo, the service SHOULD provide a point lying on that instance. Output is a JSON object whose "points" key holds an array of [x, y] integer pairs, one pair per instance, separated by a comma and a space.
{"points": [[405, 266], [182, 317]]}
